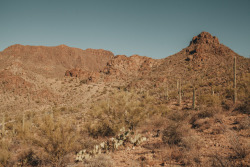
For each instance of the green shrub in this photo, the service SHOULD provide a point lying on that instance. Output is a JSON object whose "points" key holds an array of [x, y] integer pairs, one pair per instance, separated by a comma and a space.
{"points": [[107, 117], [208, 100], [56, 138]]}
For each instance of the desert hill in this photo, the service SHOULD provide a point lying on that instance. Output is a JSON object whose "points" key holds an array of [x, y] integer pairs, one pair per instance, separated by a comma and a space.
{"points": [[204, 59], [53, 61], [31, 69], [59, 101]]}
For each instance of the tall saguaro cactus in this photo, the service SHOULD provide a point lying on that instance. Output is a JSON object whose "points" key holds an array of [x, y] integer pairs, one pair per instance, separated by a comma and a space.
{"points": [[179, 93], [167, 93], [193, 105], [3, 125], [23, 127], [235, 88]]}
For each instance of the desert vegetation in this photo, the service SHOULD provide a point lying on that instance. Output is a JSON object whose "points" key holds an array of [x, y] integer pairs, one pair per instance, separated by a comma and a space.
{"points": [[184, 110], [178, 133]]}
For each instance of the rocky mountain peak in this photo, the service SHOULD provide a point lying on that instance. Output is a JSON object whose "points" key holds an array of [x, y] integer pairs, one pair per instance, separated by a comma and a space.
{"points": [[204, 38]]}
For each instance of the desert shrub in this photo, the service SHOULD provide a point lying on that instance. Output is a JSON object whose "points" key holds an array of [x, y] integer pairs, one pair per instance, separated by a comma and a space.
{"points": [[240, 150], [185, 153], [216, 160], [229, 93], [191, 157], [208, 112], [107, 117], [177, 115], [245, 106], [28, 158], [5, 153], [56, 138], [172, 134], [4, 157], [208, 100], [244, 123], [202, 117]]}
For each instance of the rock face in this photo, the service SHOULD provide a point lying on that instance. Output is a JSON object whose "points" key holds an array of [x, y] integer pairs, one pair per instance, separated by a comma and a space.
{"points": [[84, 76], [205, 46], [123, 66], [204, 38], [202, 45], [120, 67]]}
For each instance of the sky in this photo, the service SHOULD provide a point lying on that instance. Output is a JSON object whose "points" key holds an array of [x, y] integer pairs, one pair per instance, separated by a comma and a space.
{"points": [[153, 28]]}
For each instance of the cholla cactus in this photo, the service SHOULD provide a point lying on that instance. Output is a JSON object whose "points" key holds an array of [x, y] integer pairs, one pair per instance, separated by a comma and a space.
{"points": [[112, 144]]}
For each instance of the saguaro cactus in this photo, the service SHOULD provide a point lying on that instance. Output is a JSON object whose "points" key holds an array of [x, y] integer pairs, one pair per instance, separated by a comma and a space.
{"points": [[235, 89], [179, 93], [193, 98], [167, 93], [23, 127], [212, 91], [3, 125]]}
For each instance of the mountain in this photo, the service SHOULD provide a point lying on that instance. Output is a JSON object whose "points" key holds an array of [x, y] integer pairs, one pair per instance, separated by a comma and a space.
{"points": [[46, 73], [27, 73], [53, 61], [179, 108], [204, 59]]}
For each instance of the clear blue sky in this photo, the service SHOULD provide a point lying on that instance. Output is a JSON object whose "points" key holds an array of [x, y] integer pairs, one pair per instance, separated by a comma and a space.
{"points": [[153, 28]]}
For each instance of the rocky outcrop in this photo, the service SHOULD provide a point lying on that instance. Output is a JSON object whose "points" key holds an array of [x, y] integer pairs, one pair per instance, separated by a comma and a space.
{"points": [[85, 76], [14, 83], [120, 67], [123, 67], [205, 38], [203, 46]]}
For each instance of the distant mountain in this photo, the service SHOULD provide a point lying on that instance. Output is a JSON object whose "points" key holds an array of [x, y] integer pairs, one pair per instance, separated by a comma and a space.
{"points": [[53, 61], [204, 59]]}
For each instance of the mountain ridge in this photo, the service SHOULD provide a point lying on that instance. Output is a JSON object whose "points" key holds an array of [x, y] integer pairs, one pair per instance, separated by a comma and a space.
{"points": [[204, 55]]}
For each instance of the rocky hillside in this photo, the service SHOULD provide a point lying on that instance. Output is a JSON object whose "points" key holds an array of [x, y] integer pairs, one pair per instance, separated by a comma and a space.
{"points": [[204, 59], [205, 62], [204, 55], [53, 61], [124, 111]]}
